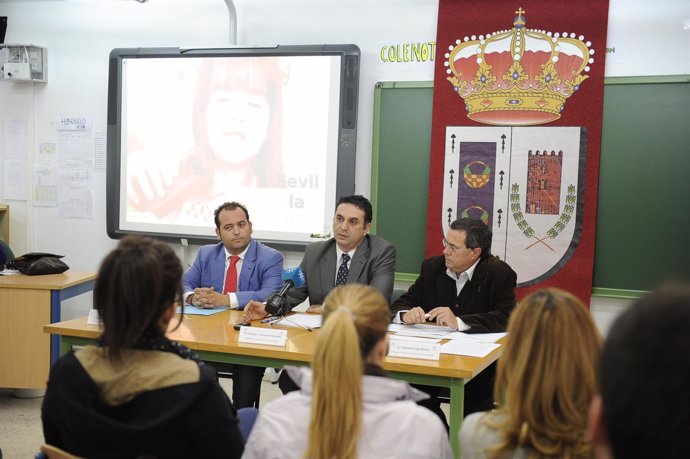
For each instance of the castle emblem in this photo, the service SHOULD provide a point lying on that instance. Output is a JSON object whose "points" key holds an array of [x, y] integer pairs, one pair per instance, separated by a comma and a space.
{"points": [[518, 77]]}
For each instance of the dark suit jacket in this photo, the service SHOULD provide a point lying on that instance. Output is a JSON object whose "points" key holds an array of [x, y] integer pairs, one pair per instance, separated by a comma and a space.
{"points": [[373, 264], [260, 275], [484, 303]]}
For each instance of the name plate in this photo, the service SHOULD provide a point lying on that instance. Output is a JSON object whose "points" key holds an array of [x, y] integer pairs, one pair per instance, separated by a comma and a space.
{"points": [[269, 336], [414, 348]]}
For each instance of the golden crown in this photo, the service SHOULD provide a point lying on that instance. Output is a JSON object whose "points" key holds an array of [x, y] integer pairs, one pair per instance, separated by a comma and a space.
{"points": [[519, 76]]}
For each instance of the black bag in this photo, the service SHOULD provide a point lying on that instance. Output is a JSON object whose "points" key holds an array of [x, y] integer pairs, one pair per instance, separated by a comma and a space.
{"points": [[38, 263]]}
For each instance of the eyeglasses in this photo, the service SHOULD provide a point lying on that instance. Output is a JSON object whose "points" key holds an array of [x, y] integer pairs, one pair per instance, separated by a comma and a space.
{"points": [[454, 248]]}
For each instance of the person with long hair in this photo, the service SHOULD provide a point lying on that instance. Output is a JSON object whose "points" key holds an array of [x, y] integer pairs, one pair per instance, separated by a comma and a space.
{"points": [[136, 393], [237, 126], [346, 408], [546, 379]]}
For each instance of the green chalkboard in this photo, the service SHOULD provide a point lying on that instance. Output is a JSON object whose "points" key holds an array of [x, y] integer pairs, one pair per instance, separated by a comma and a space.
{"points": [[400, 170], [643, 216]]}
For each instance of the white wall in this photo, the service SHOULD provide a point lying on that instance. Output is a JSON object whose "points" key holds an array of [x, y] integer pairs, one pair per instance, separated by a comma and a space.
{"points": [[80, 34]]}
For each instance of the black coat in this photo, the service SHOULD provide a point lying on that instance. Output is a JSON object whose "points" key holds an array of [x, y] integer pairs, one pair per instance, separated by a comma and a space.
{"points": [[484, 303]]}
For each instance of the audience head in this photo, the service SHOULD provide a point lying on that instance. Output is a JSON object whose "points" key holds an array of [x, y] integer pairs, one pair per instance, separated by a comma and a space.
{"points": [[352, 221], [137, 289], [354, 332], [546, 377], [643, 409]]}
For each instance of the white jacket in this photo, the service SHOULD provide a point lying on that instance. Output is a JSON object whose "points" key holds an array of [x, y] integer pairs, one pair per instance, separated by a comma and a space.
{"points": [[393, 425]]}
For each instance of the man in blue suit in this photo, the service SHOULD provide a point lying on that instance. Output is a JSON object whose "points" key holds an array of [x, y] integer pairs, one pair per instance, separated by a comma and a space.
{"points": [[259, 267], [231, 273]]}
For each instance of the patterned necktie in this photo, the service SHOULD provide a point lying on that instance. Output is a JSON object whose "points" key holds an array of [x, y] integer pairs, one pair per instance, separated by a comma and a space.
{"points": [[341, 278], [231, 275]]}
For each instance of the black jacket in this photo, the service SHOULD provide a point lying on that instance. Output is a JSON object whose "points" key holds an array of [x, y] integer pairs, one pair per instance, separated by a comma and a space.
{"points": [[136, 410], [484, 303]]}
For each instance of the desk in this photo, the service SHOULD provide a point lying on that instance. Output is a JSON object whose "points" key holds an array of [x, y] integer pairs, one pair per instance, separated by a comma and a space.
{"points": [[26, 304], [215, 340]]}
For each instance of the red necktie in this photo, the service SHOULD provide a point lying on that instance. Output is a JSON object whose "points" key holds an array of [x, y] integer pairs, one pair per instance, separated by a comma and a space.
{"points": [[231, 275]]}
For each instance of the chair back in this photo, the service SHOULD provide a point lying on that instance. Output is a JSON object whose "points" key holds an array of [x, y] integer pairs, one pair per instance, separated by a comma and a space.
{"points": [[247, 417]]}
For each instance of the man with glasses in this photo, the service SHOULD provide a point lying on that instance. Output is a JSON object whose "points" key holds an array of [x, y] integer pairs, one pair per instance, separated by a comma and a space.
{"points": [[466, 289]]}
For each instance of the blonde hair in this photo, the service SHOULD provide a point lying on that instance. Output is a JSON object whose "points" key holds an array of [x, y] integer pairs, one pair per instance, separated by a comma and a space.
{"points": [[355, 319], [546, 377]]}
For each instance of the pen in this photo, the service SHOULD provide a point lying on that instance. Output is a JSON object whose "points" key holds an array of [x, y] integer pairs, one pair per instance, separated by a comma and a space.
{"points": [[270, 320]]}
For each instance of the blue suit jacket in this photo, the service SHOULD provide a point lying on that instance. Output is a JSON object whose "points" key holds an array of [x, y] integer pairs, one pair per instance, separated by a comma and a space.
{"points": [[260, 276]]}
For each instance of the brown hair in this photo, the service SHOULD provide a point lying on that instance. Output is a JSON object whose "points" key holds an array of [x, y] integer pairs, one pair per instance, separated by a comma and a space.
{"points": [[356, 318], [137, 282], [546, 377]]}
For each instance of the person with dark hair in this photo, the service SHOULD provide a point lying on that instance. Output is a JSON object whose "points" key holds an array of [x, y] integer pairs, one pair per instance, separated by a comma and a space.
{"points": [[136, 393], [545, 382], [466, 289], [346, 407], [643, 408], [232, 273], [351, 256], [257, 268]]}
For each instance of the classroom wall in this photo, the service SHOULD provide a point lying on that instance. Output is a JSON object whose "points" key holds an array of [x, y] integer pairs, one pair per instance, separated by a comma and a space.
{"points": [[80, 34]]}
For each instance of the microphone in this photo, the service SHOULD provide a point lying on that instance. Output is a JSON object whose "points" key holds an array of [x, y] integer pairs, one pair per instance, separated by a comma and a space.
{"points": [[276, 304]]}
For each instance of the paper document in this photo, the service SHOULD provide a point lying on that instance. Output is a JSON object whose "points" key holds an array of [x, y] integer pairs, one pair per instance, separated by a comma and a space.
{"points": [[301, 321], [421, 330], [476, 337], [468, 348]]}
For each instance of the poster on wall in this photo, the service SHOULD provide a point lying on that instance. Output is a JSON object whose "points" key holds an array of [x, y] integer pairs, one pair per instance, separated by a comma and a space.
{"points": [[516, 133]]}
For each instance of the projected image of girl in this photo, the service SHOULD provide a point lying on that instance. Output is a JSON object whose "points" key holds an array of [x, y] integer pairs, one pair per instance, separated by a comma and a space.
{"points": [[237, 121], [237, 129]]}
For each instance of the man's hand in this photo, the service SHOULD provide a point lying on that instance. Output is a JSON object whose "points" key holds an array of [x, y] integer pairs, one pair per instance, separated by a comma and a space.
{"points": [[414, 316], [253, 310], [208, 298], [314, 309], [444, 316]]}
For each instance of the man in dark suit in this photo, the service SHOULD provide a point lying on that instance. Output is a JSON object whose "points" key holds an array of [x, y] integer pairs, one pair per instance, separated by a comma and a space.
{"points": [[351, 256], [466, 289], [231, 273]]}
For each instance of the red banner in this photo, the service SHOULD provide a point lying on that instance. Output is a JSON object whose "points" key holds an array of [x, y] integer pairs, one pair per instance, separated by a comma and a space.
{"points": [[516, 133]]}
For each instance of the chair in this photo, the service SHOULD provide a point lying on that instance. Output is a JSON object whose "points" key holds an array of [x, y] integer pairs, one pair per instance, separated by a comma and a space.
{"points": [[53, 452], [247, 417]]}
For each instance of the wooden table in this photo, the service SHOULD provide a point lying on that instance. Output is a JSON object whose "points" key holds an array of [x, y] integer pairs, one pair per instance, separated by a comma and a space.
{"points": [[215, 340], [27, 303]]}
